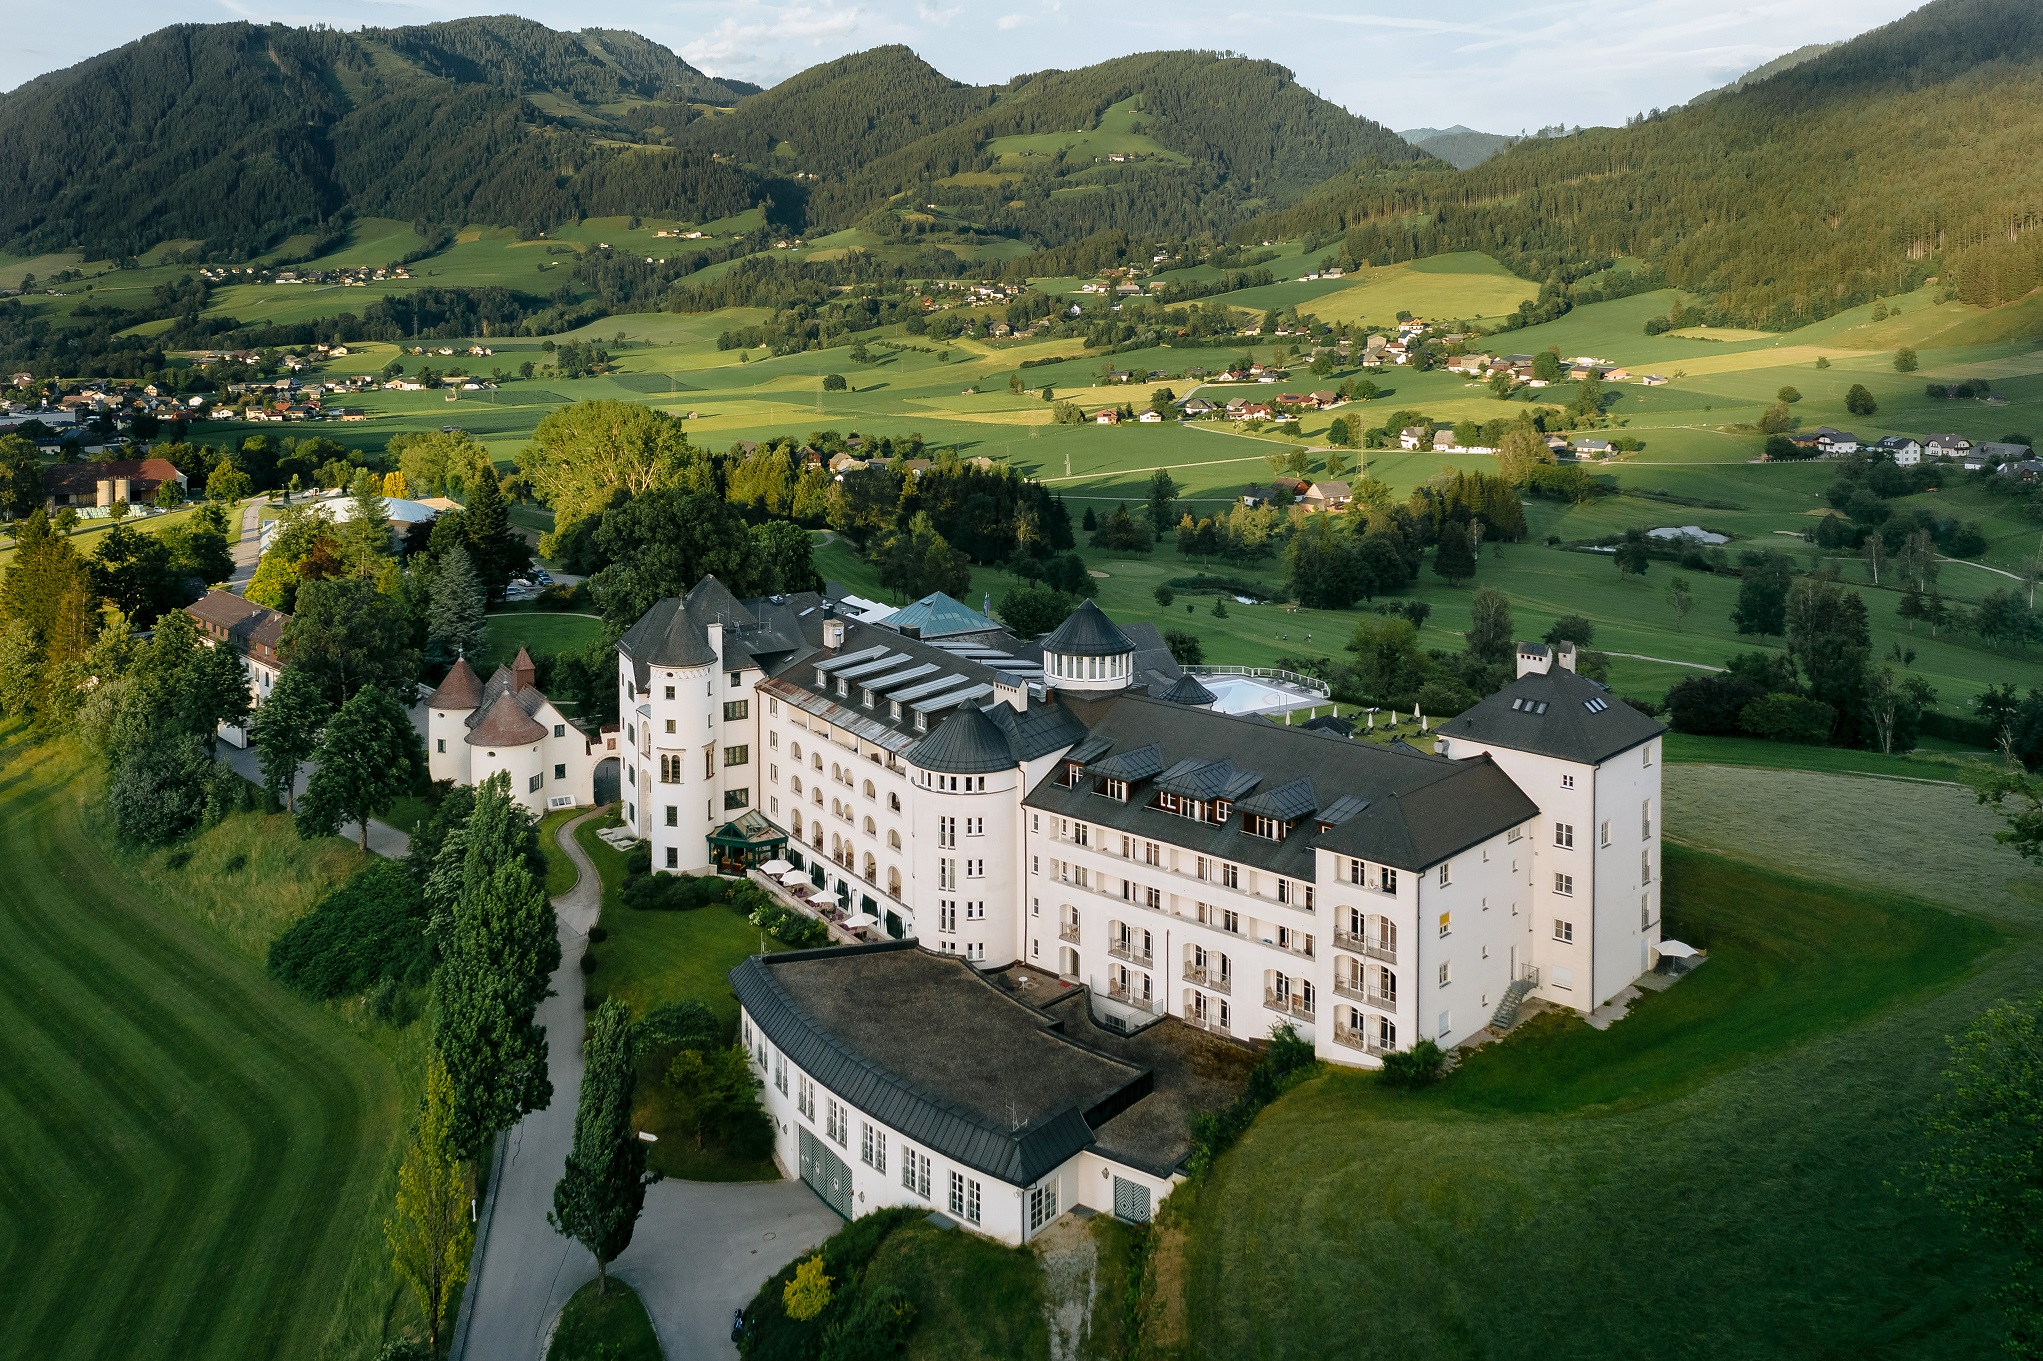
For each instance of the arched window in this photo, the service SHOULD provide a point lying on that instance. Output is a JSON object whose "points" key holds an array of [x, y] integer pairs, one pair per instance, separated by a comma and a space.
{"points": [[795, 750], [816, 835], [836, 809], [816, 796], [836, 771], [869, 790], [870, 829], [893, 881], [894, 802], [816, 759], [797, 782], [893, 839], [872, 867]]}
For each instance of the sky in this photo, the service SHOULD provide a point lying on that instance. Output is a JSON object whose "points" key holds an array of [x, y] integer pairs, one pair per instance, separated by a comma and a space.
{"points": [[1496, 65]]}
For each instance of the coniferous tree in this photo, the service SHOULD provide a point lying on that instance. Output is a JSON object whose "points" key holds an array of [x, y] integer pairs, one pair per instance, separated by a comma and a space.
{"points": [[368, 757], [430, 1236], [1455, 558], [600, 1194], [498, 949], [286, 732], [456, 625]]}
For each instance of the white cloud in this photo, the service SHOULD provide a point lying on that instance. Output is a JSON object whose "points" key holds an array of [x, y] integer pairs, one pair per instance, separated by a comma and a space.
{"points": [[1008, 22]]}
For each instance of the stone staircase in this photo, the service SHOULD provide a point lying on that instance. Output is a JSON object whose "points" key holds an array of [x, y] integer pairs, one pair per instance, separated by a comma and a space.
{"points": [[1506, 1014]]}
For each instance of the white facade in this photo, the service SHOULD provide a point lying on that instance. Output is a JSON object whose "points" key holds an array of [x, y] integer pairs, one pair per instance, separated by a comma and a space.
{"points": [[1558, 894], [476, 730]]}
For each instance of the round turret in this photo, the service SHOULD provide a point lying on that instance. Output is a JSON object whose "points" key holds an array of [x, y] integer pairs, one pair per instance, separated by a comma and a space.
{"points": [[1088, 653]]}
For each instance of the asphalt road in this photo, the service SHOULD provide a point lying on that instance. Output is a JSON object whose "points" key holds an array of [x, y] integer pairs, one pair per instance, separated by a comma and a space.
{"points": [[701, 1248]]}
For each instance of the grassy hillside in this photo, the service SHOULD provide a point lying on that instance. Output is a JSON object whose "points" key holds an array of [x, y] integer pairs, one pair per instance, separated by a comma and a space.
{"points": [[196, 1162], [1763, 1115]]}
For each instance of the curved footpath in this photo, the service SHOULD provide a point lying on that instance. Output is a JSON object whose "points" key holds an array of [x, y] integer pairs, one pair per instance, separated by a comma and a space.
{"points": [[701, 1248]]}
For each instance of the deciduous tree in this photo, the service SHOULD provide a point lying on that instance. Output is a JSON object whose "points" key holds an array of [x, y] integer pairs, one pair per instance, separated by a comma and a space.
{"points": [[368, 757], [286, 732]]}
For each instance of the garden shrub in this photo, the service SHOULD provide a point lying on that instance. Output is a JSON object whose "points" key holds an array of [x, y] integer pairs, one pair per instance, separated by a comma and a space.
{"points": [[1288, 1062], [369, 929], [689, 1025], [1419, 1066], [789, 927], [854, 1325], [645, 891], [1783, 717]]}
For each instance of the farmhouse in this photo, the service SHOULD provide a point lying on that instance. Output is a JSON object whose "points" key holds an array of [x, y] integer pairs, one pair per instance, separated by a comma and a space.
{"points": [[1415, 437], [2004, 454], [129, 480], [1903, 450], [1946, 446], [474, 729], [255, 632], [1328, 496]]}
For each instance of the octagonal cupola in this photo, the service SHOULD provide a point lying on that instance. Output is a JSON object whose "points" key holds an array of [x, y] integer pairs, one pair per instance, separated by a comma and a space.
{"points": [[1088, 653]]}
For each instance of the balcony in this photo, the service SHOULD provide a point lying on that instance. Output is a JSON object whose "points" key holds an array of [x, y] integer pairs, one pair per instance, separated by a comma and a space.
{"points": [[1288, 1005], [1356, 1038], [1357, 992], [1362, 945], [1124, 951], [1209, 978], [1119, 992], [1208, 1022], [1068, 932]]}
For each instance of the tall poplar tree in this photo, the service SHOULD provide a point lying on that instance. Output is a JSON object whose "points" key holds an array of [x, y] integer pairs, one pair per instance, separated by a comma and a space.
{"points": [[498, 951], [430, 1236], [598, 1198]]}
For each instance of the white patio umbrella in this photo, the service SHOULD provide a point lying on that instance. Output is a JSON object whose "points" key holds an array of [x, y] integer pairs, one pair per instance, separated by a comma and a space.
{"points": [[861, 919], [775, 867], [793, 877]]}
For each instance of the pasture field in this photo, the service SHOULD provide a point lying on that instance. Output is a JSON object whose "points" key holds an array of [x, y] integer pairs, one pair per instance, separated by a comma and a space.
{"points": [[195, 1162], [538, 631], [1743, 1145]]}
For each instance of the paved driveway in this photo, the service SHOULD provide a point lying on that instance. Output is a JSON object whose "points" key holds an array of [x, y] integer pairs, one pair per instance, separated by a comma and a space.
{"points": [[700, 1251], [703, 1248]]}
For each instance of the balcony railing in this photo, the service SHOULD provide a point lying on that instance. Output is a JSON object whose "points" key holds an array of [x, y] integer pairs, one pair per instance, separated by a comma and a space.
{"points": [[1292, 1005], [1207, 1022], [1356, 1038], [1362, 945], [1359, 992], [1209, 978], [1069, 932], [1123, 950], [1119, 992]]}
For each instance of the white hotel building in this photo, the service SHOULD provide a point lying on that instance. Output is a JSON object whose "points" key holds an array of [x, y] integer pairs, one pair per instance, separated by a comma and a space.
{"points": [[1074, 806]]}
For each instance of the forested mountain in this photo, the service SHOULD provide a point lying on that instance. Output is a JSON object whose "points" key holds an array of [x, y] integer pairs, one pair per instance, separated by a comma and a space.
{"points": [[1906, 153], [237, 135], [1787, 61], [1461, 147]]}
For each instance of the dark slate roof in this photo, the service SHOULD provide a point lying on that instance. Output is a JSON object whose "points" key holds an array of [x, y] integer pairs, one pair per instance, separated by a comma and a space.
{"points": [[1088, 633], [1403, 808], [1558, 714], [1329, 723], [966, 743], [1286, 801], [665, 635], [926, 1045], [462, 689], [1185, 690], [1139, 764]]}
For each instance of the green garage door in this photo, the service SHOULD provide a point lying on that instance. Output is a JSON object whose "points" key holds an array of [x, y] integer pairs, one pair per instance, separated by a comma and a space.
{"points": [[829, 1178]]}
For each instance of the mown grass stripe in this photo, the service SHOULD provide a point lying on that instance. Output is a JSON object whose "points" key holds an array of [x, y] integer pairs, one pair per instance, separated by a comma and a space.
{"points": [[214, 1140]]}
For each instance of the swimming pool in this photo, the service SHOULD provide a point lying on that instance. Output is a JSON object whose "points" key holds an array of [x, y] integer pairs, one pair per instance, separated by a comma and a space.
{"points": [[1247, 695]]}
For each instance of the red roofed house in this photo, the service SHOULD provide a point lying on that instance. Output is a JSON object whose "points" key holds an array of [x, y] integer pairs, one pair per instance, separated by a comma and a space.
{"points": [[101, 484], [255, 631], [476, 728]]}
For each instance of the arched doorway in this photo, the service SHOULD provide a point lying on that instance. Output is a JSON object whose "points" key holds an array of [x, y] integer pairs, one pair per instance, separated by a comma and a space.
{"points": [[609, 781]]}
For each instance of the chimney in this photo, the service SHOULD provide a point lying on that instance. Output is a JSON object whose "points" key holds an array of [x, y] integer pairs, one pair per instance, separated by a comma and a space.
{"points": [[1536, 659], [1564, 653], [833, 633]]}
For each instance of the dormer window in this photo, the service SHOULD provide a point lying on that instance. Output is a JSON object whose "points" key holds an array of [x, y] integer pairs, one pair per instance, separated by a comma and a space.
{"points": [[822, 680], [921, 721], [843, 688], [1115, 789], [1074, 771], [1264, 826], [894, 710], [1221, 809]]}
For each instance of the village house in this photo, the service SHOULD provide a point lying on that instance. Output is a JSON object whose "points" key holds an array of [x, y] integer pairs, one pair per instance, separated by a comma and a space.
{"points": [[1328, 496], [1946, 446], [1905, 452], [1835, 443], [255, 632], [102, 484], [1416, 437]]}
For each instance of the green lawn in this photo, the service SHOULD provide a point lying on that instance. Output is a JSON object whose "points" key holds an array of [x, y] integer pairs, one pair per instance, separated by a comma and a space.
{"points": [[973, 1298], [612, 1326], [1955, 766], [193, 1161], [1726, 1172], [537, 632]]}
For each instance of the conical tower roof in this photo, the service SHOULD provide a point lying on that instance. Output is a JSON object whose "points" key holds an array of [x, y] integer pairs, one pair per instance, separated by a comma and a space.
{"points": [[966, 743], [1088, 633], [461, 690]]}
